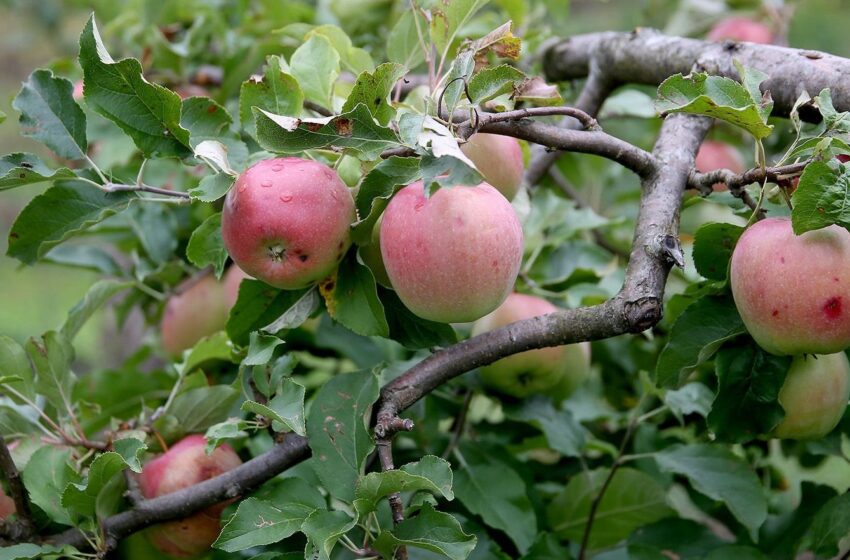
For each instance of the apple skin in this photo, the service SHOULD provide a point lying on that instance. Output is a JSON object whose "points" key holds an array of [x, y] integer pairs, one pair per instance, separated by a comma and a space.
{"points": [[232, 280], [197, 310], [7, 505], [286, 222], [186, 464], [453, 257], [499, 159], [546, 370], [793, 292], [814, 396], [713, 155], [741, 29]]}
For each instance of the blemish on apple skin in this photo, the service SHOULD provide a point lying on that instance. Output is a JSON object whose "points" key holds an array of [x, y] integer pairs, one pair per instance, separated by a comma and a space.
{"points": [[775, 312], [832, 307], [782, 260], [835, 279]]}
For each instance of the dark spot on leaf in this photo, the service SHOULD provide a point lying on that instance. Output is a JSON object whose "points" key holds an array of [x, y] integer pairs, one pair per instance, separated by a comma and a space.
{"points": [[26, 165], [821, 210], [14, 235], [313, 127], [212, 108], [377, 101], [22, 175], [832, 307], [329, 286], [344, 127]]}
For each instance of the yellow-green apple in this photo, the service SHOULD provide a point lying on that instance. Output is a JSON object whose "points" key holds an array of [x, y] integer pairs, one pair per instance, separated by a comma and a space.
{"points": [[558, 369], [371, 255], [197, 309], [186, 464], [452, 257], [713, 155], [232, 280], [814, 396], [499, 159], [793, 292], [741, 29], [286, 221]]}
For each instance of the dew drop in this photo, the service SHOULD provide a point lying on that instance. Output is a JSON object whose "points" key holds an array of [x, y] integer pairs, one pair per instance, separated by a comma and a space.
{"points": [[286, 197], [419, 205], [277, 168], [266, 184], [242, 187]]}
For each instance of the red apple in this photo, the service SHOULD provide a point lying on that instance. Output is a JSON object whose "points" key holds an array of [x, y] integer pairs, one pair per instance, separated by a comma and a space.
{"points": [[713, 155], [534, 371], [197, 310], [77, 93], [286, 222], [7, 505], [186, 464], [741, 29], [499, 159], [814, 396], [793, 292], [232, 280], [453, 257], [191, 90]]}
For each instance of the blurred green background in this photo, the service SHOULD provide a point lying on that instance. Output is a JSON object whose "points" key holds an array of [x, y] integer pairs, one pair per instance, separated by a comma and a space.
{"points": [[35, 33]]}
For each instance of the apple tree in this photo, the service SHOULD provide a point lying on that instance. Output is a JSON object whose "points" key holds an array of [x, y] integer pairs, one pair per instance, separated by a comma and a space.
{"points": [[432, 279]]}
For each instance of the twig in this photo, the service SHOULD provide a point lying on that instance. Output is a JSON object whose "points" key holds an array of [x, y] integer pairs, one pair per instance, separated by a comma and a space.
{"points": [[703, 182], [459, 424], [316, 108], [26, 527], [467, 128]]}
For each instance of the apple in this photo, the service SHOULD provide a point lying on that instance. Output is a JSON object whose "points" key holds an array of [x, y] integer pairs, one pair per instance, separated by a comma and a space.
{"points": [[186, 464], [198, 309], [232, 280], [77, 92], [371, 256], [286, 221], [741, 29], [499, 159], [814, 396], [191, 90], [7, 505], [557, 369], [453, 257], [713, 155], [793, 292]]}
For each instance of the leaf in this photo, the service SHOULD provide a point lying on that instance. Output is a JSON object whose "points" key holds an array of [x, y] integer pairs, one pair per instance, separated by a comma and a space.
{"points": [[403, 45], [538, 92], [286, 409], [50, 115], [297, 313], [747, 402], [563, 433], [373, 90], [497, 493], [198, 409], [212, 187], [410, 330], [276, 92], [45, 477], [80, 498], [148, 113], [29, 550], [632, 499], [718, 97], [232, 428], [206, 246], [721, 475], [353, 300], [781, 535], [315, 66], [430, 530], [830, 526], [257, 306], [492, 82], [19, 169], [100, 293], [336, 427], [61, 212], [448, 17], [130, 450], [324, 529], [15, 368], [696, 335], [84, 256], [429, 474], [211, 137], [355, 132], [693, 398], [821, 198], [375, 191], [713, 246], [51, 359], [261, 348], [213, 347]]}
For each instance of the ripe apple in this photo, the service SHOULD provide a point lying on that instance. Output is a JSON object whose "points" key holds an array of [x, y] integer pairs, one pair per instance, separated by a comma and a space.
{"points": [[186, 464], [741, 29], [191, 90], [232, 280], [197, 310], [286, 221], [77, 93], [7, 505], [814, 396], [546, 370], [793, 292], [453, 257], [371, 255], [713, 155], [499, 159]]}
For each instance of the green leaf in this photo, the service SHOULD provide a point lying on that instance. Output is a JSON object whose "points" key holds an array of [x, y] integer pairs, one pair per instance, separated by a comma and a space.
{"points": [[13, 424], [354, 301], [830, 526], [747, 402], [297, 313], [323, 530], [315, 66], [373, 90], [15, 365], [713, 246], [51, 358], [19, 169], [781, 535], [209, 126], [206, 246], [261, 349], [821, 198], [721, 475], [355, 132], [430, 530], [691, 398], [259, 305], [50, 115], [46, 476], [429, 474], [353, 59], [493, 82], [198, 409], [286, 409], [632, 499], [696, 335], [215, 347], [718, 97], [29, 550], [337, 429], [148, 113], [403, 45], [547, 547], [84, 256], [497, 493], [375, 191], [155, 226], [563, 433], [410, 330], [232, 428], [100, 293], [61, 212], [448, 17], [212, 187], [277, 92], [80, 498], [130, 450]]}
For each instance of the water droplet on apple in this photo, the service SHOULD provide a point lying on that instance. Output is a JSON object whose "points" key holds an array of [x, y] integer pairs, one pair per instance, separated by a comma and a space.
{"points": [[277, 168], [266, 184], [242, 187], [286, 197], [419, 205]]}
